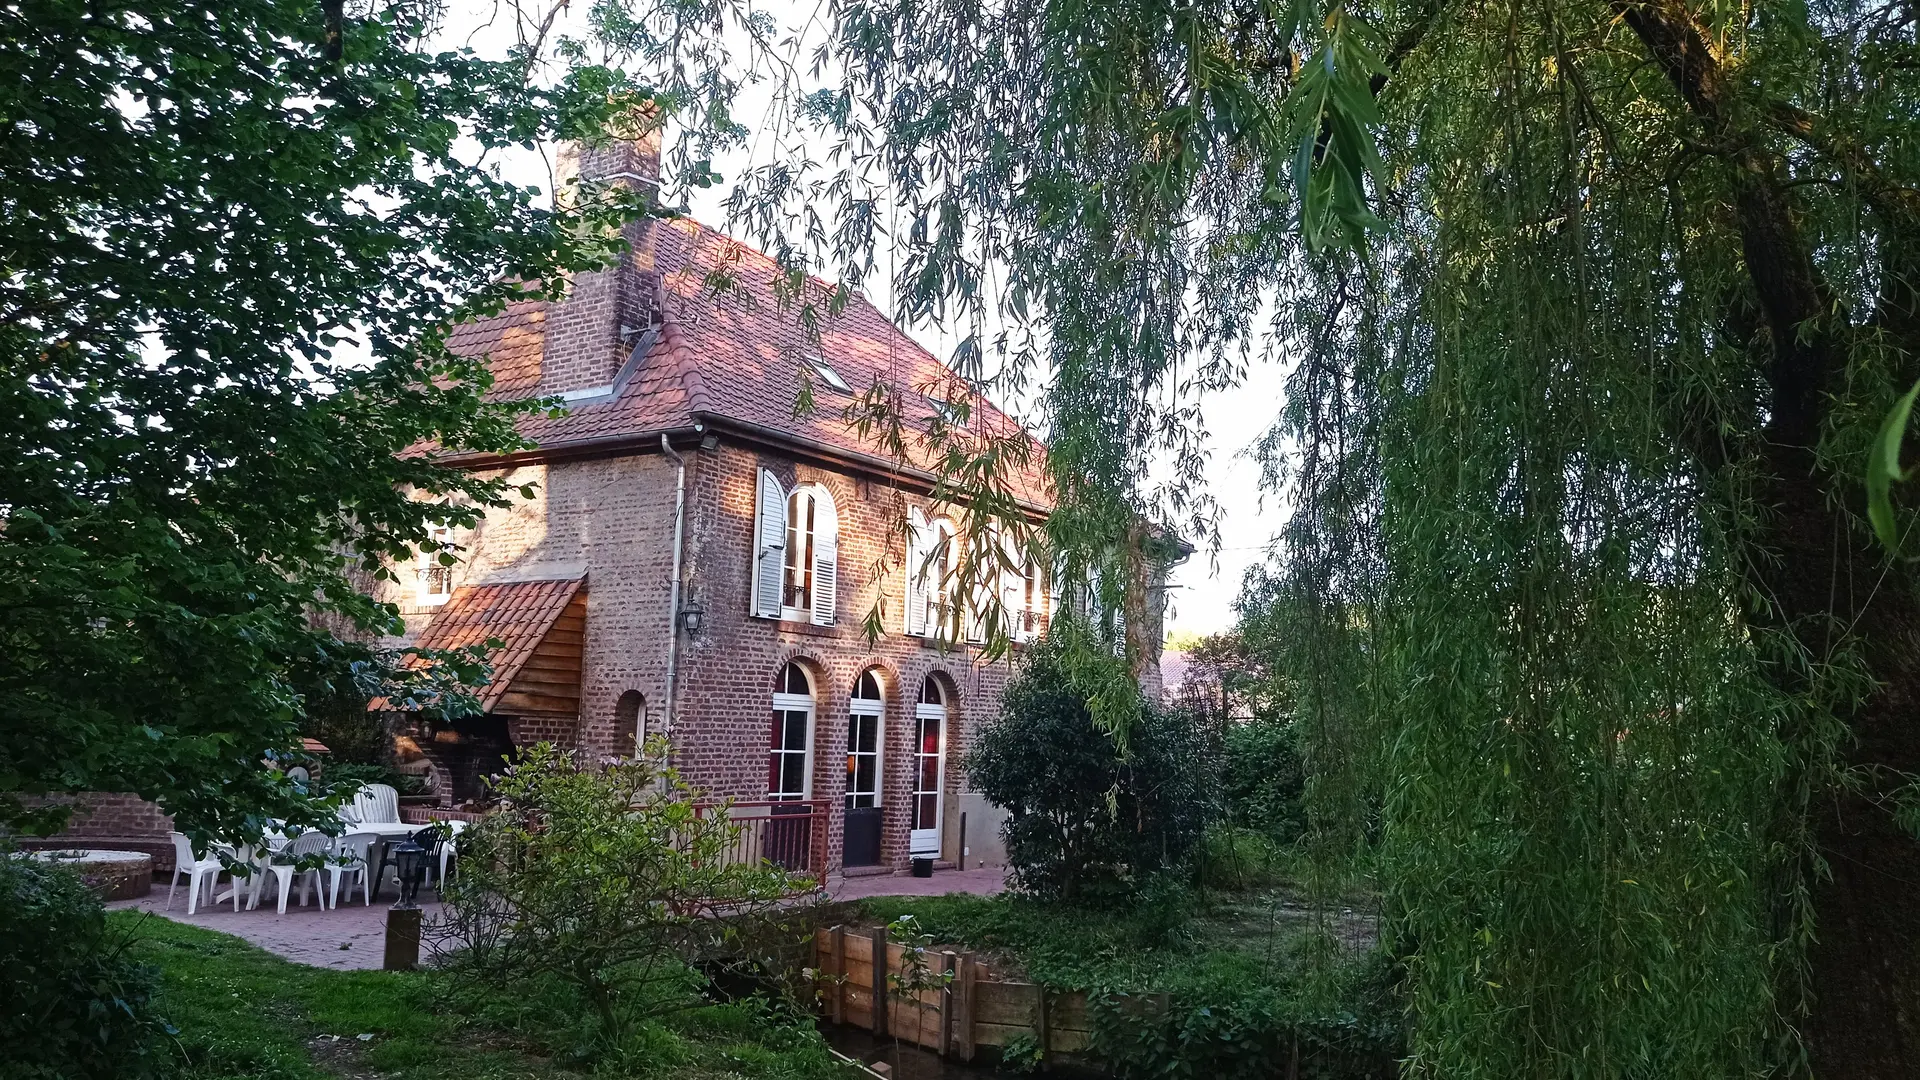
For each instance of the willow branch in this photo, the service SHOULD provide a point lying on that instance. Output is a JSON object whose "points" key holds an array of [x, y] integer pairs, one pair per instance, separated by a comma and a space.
{"points": [[1791, 291]]}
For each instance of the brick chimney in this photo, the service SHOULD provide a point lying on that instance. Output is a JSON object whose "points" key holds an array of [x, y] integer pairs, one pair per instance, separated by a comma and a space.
{"points": [[592, 334]]}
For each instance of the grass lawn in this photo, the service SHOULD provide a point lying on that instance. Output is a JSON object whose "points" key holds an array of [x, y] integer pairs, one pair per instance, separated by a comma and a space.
{"points": [[242, 1012]]}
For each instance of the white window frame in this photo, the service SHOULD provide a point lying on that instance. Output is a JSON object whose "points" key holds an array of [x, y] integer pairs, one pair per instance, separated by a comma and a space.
{"points": [[773, 536], [924, 841], [800, 540], [930, 610], [875, 709], [784, 703], [428, 569]]}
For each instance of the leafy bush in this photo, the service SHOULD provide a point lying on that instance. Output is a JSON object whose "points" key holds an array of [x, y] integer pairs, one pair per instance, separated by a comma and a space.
{"points": [[1264, 778], [1252, 1030], [72, 1004], [609, 880], [1214, 1000], [346, 776], [1084, 817]]}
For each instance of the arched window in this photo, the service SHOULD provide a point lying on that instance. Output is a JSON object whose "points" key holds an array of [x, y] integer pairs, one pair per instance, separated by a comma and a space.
{"points": [[789, 757], [864, 717], [630, 723], [932, 552], [796, 582], [929, 756], [796, 552]]}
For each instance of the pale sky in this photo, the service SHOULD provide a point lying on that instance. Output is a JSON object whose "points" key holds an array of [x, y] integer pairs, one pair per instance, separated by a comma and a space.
{"points": [[1203, 592]]}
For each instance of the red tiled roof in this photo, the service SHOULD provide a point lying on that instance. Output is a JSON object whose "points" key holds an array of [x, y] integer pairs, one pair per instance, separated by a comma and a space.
{"points": [[734, 354], [511, 341], [518, 613]]}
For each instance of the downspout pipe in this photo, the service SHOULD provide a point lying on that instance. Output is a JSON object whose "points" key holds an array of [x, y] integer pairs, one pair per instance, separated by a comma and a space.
{"points": [[673, 588]]}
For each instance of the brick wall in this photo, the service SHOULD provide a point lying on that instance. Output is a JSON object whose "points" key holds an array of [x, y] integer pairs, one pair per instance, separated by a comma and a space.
{"points": [[728, 668], [111, 820], [612, 519]]}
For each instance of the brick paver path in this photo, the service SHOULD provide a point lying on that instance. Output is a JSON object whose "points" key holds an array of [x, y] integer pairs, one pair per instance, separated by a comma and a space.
{"points": [[984, 881], [351, 936]]}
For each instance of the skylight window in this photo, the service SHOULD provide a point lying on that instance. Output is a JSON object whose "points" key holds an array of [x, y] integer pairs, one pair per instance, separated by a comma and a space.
{"points": [[828, 375]]}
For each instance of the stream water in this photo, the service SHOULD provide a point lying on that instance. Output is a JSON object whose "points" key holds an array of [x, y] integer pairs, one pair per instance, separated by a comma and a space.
{"points": [[903, 1061]]}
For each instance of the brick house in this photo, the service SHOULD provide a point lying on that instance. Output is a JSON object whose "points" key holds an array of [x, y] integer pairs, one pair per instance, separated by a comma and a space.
{"points": [[681, 459]]}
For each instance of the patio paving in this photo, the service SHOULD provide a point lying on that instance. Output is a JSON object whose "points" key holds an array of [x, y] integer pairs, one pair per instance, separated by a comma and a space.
{"points": [[981, 881], [353, 936]]}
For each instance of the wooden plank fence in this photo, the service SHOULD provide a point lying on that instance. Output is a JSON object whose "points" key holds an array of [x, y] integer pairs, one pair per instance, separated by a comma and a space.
{"points": [[972, 1010]]}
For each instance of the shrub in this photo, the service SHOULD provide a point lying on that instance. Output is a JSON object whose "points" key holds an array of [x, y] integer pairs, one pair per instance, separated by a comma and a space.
{"points": [[1084, 817], [344, 777], [608, 880], [72, 1004], [1264, 778]]}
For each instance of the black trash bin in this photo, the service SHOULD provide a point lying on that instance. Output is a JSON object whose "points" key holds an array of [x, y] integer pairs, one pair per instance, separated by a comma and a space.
{"points": [[922, 866]]}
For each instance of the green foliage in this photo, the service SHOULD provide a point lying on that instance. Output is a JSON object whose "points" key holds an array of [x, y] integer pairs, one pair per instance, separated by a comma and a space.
{"points": [[610, 880], [234, 243], [1883, 469], [348, 776], [1235, 1005], [247, 1015], [1086, 818], [73, 1004], [1263, 778]]}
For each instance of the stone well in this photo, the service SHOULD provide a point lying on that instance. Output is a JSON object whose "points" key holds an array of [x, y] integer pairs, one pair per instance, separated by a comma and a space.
{"points": [[115, 875]]}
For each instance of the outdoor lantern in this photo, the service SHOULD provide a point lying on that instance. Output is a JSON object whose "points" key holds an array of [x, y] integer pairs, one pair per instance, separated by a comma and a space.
{"points": [[691, 616], [410, 864]]}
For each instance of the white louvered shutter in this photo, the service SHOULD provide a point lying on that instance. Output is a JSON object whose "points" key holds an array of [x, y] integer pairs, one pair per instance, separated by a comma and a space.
{"points": [[769, 546], [919, 546], [826, 556]]}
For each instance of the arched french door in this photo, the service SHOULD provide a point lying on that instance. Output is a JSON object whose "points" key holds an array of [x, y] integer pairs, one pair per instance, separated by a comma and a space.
{"points": [[790, 755], [790, 770], [865, 719], [929, 772]]}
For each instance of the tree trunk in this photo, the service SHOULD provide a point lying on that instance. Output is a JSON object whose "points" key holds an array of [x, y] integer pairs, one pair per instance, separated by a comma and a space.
{"points": [[1826, 577], [1817, 576]]}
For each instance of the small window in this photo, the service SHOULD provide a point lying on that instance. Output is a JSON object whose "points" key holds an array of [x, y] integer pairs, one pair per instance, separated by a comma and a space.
{"points": [[1033, 599], [433, 574], [828, 375], [630, 723]]}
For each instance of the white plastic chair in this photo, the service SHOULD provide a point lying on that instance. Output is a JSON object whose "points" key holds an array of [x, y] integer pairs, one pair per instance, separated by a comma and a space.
{"points": [[244, 865], [376, 804], [454, 829], [350, 861], [196, 869], [308, 843]]}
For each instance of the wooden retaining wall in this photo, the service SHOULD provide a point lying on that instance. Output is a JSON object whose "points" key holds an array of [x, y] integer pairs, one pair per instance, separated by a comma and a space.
{"points": [[972, 1010]]}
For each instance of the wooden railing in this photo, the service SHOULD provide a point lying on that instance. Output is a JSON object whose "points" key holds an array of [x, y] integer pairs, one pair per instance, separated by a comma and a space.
{"points": [[790, 835]]}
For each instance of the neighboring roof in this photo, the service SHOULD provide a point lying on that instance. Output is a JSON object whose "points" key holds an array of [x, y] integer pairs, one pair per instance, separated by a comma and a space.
{"points": [[314, 746], [734, 355], [519, 614]]}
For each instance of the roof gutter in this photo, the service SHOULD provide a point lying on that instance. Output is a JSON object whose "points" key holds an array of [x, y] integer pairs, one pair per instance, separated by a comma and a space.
{"points": [[643, 442]]}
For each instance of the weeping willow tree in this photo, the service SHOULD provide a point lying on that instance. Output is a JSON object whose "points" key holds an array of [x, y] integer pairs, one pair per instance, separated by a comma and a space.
{"points": [[1591, 308]]}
